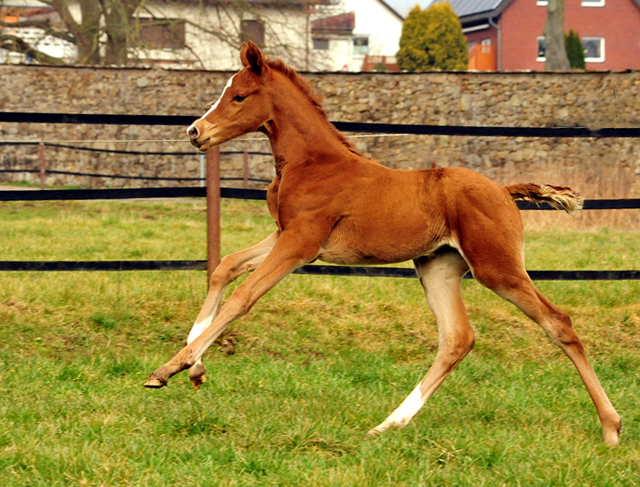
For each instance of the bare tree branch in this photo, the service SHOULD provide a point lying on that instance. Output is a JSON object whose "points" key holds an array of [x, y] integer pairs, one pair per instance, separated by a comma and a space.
{"points": [[14, 43], [43, 25]]}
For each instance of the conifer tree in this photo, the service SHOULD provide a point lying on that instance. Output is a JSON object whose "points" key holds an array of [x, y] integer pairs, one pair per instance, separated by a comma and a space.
{"points": [[432, 39], [575, 50]]}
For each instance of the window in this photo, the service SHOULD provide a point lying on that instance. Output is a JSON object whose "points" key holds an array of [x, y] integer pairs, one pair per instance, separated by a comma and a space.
{"points": [[593, 3], [162, 33], [252, 30], [593, 49], [542, 2], [320, 43], [541, 49], [360, 45]]}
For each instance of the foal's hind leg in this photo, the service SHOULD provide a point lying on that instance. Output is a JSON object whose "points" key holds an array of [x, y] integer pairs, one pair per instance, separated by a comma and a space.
{"points": [[230, 268], [513, 284], [441, 276]]}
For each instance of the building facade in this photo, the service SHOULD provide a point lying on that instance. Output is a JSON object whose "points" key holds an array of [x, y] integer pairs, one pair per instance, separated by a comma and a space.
{"points": [[609, 30]]}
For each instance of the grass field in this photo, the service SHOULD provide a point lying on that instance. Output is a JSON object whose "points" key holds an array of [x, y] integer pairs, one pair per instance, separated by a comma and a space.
{"points": [[317, 363]]}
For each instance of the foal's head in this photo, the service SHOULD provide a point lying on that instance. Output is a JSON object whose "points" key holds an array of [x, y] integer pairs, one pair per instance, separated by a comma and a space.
{"points": [[253, 101], [243, 106]]}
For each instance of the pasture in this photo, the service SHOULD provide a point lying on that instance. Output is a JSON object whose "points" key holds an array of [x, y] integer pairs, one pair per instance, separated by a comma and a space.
{"points": [[299, 381]]}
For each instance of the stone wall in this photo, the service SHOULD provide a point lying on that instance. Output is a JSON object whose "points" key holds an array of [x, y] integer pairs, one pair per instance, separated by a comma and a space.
{"points": [[606, 168]]}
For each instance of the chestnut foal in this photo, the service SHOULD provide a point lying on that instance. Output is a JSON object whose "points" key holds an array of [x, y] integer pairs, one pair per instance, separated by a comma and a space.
{"points": [[331, 203]]}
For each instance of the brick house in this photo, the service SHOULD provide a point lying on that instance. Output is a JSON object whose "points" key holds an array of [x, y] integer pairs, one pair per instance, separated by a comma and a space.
{"points": [[508, 34]]}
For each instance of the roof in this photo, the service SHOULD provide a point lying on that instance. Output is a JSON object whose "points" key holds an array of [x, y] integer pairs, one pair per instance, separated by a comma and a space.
{"points": [[470, 10], [472, 7], [342, 23]]}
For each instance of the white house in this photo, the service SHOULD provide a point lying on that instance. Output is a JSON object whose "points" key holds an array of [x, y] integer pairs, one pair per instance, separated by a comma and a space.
{"points": [[349, 32], [311, 35], [207, 34]]}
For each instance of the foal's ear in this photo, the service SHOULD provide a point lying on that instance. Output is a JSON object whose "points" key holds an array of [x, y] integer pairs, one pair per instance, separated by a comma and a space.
{"points": [[251, 56]]}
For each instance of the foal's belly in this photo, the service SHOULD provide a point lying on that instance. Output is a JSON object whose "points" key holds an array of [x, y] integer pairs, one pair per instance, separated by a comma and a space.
{"points": [[399, 221], [377, 251]]}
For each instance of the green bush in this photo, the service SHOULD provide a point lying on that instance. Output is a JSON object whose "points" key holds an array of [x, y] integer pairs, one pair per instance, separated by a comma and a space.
{"points": [[432, 39]]}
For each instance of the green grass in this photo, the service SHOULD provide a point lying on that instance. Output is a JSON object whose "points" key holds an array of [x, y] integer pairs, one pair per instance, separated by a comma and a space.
{"points": [[317, 363]]}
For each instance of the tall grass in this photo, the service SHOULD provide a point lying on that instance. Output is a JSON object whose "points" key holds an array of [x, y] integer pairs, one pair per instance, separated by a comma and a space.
{"points": [[318, 362]]}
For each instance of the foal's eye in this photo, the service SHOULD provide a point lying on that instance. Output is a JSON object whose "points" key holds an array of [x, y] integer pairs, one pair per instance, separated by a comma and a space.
{"points": [[238, 98]]}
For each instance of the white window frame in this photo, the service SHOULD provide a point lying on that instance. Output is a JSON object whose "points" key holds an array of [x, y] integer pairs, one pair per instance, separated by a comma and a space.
{"points": [[361, 49], [542, 3], [593, 3], [542, 59], [602, 55]]}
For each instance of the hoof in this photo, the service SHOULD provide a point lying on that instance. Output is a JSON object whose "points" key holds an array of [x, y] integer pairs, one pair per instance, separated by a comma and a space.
{"points": [[612, 433], [155, 383], [196, 382], [612, 439], [197, 375], [611, 442], [374, 433]]}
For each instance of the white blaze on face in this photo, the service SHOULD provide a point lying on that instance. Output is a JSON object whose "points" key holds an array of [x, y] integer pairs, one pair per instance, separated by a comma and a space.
{"points": [[215, 105]]}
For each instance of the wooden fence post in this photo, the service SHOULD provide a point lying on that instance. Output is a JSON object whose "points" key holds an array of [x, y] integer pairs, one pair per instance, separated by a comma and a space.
{"points": [[213, 210]]}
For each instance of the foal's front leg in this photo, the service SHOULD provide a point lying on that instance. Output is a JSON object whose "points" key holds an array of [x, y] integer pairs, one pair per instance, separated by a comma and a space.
{"points": [[230, 268], [289, 252]]}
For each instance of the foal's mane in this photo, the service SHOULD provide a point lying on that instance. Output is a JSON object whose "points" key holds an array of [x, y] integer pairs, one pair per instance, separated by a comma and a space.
{"points": [[301, 84]]}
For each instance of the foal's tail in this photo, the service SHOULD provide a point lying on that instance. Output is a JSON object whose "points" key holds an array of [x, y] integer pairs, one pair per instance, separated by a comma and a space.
{"points": [[559, 197]]}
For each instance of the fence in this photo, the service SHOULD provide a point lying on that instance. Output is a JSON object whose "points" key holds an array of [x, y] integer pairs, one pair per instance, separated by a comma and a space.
{"points": [[43, 171], [214, 192]]}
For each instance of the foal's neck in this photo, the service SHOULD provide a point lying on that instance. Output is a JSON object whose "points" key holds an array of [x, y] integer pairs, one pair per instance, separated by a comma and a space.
{"points": [[301, 133]]}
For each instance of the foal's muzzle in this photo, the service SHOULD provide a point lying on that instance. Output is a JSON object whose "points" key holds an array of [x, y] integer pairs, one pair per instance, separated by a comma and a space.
{"points": [[194, 134]]}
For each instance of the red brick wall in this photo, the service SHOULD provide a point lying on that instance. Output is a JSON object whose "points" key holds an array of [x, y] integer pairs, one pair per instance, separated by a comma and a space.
{"points": [[621, 31], [521, 24]]}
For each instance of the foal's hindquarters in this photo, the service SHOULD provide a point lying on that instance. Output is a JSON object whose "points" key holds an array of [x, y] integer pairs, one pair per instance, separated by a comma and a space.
{"points": [[490, 243]]}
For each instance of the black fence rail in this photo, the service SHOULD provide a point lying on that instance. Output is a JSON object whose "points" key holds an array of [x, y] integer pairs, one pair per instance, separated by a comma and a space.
{"points": [[237, 193], [318, 270], [360, 127], [181, 192]]}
